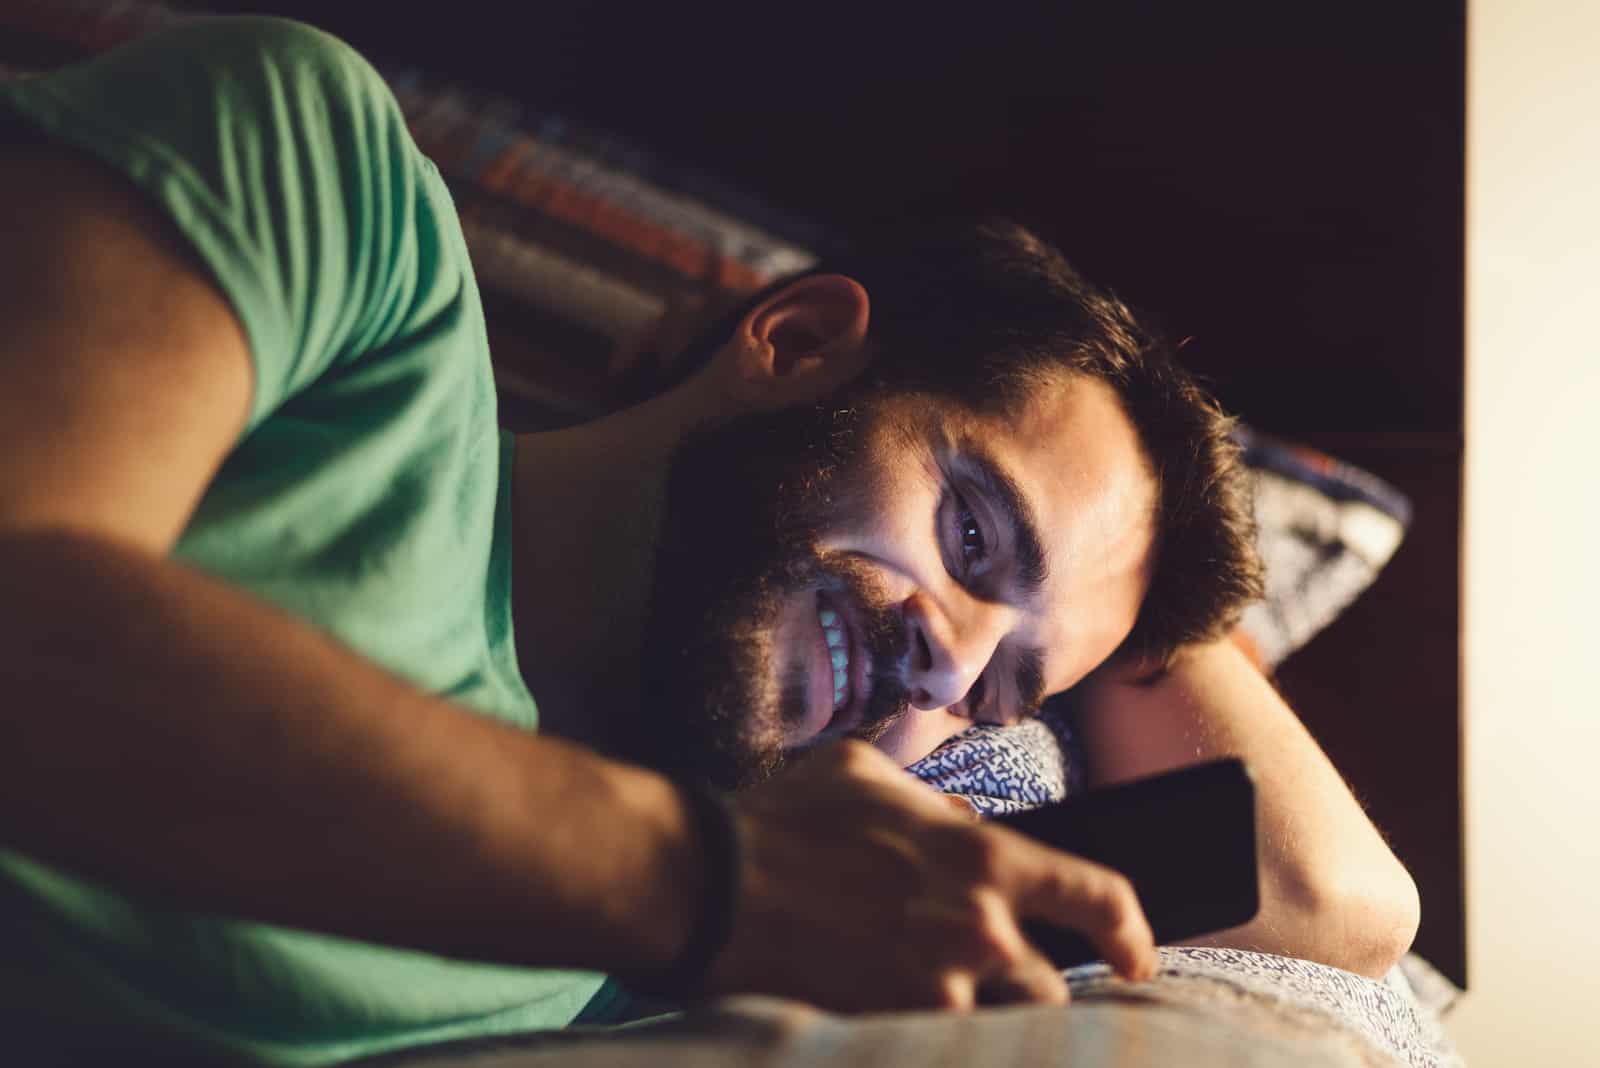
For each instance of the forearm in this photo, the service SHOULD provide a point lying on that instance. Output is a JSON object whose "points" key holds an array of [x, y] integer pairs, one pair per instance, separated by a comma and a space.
{"points": [[171, 735], [1332, 890]]}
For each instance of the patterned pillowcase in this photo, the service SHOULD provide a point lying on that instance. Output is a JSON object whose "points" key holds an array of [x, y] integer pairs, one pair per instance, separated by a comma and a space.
{"points": [[1325, 529], [1007, 769]]}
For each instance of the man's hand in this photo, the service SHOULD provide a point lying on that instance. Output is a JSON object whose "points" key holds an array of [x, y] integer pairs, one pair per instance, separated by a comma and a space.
{"points": [[865, 890]]}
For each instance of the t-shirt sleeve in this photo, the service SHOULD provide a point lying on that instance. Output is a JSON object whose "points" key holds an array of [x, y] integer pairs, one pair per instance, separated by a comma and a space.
{"points": [[283, 158]]}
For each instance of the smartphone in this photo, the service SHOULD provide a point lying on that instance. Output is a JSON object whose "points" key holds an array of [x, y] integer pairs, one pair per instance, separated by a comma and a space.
{"points": [[1186, 839]]}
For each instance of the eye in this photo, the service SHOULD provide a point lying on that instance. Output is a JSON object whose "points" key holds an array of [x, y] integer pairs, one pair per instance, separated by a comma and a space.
{"points": [[969, 533]]}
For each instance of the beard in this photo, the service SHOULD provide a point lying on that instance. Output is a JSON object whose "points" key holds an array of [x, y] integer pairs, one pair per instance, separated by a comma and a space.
{"points": [[747, 502]]}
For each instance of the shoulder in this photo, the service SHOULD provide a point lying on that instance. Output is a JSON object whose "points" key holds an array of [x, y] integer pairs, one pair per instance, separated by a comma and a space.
{"points": [[283, 43], [287, 57]]}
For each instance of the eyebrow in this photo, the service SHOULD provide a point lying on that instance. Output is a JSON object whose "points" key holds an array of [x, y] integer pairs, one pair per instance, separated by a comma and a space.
{"points": [[1027, 547], [1028, 552]]}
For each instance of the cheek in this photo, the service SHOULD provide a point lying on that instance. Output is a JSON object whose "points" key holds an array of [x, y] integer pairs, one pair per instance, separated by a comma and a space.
{"points": [[893, 519], [918, 733]]}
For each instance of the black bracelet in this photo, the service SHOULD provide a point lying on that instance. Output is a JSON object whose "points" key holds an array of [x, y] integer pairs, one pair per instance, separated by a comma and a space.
{"points": [[718, 831]]}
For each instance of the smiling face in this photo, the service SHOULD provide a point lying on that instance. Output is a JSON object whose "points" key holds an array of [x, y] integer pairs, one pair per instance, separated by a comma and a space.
{"points": [[889, 566], [1034, 567]]}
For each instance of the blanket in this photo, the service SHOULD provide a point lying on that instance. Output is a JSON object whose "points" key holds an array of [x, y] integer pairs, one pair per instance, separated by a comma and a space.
{"points": [[1207, 1008]]}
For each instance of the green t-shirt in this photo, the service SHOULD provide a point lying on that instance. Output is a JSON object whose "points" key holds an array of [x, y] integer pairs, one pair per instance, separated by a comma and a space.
{"points": [[368, 494]]}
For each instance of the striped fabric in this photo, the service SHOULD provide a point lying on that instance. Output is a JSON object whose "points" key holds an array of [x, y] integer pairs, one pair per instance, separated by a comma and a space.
{"points": [[566, 218], [586, 238]]}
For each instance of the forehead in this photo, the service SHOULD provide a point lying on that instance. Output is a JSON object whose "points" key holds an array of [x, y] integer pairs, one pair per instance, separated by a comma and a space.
{"points": [[1076, 458]]}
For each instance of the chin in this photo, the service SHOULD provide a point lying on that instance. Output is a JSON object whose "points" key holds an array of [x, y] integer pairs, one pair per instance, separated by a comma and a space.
{"points": [[918, 733]]}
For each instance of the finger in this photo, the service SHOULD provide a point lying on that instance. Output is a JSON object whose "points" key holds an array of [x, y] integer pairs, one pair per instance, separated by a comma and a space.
{"points": [[1096, 901], [1040, 986], [852, 759], [958, 990], [962, 807], [1019, 972], [928, 801], [849, 759], [980, 937], [1031, 979]]}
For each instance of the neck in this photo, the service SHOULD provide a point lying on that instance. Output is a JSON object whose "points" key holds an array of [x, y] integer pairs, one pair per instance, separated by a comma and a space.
{"points": [[586, 503]]}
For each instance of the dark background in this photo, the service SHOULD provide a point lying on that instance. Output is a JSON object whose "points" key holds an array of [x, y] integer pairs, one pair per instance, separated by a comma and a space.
{"points": [[1281, 185]]}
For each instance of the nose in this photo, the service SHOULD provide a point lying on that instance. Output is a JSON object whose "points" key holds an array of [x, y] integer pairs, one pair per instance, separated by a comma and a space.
{"points": [[952, 641]]}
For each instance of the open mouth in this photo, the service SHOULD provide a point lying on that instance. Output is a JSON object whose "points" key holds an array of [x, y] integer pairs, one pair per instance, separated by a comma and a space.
{"points": [[847, 659]]}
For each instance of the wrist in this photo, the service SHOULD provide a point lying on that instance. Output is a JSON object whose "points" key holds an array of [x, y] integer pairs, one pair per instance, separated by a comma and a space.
{"points": [[718, 861], [654, 906]]}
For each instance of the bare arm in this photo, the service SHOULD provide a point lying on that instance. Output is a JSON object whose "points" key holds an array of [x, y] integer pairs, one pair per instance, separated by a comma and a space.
{"points": [[180, 737], [177, 737], [1332, 891]]}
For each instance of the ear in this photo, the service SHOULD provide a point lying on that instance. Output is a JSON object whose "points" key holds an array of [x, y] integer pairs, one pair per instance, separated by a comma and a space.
{"points": [[800, 344]]}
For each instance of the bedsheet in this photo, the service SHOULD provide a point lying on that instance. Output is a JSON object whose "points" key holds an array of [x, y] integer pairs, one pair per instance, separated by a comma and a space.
{"points": [[1381, 1021], [1207, 1008]]}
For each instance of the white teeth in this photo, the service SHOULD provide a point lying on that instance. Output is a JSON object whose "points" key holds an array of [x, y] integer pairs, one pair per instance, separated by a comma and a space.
{"points": [[833, 634]]}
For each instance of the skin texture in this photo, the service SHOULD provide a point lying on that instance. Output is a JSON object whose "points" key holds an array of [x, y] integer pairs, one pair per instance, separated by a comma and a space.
{"points": [[1330, 886], [1076, 460]]}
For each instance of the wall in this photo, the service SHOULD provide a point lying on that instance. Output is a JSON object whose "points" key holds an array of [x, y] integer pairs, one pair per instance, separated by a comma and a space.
{"points": [[1532, 585]]}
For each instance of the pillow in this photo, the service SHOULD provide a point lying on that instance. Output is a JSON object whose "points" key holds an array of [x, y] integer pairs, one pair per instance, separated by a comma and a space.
{"points": [[580, 241], [51, 33], [1324, 529], [594, 234], [1008, 769]]}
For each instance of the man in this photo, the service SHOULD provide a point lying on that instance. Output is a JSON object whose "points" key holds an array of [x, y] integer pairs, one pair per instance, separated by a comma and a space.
{"points": [[269, 779]]}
